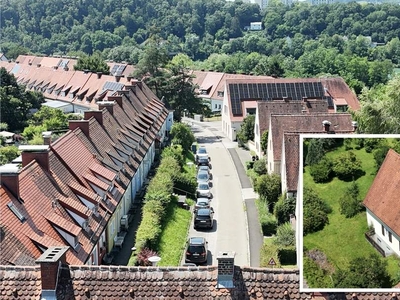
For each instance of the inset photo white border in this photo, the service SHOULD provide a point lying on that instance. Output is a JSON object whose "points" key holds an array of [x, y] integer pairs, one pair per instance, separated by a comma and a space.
{"points": [[299, 213]]}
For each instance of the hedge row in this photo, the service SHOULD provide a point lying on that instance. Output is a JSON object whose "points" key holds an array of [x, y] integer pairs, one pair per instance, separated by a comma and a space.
{"points": [[157, 198]]}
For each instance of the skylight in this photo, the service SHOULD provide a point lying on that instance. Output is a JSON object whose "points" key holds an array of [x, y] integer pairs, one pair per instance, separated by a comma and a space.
{"points": [[16, 212]]}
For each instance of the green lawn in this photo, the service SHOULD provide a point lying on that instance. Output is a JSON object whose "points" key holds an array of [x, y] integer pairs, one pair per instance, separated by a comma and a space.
{"points": [[343, 238], [174, 235]]}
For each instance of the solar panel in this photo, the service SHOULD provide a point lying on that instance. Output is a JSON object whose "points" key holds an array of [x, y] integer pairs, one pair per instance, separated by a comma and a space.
{"points": [[114, 69], [120, 69], [112, 85], [63, 63]]}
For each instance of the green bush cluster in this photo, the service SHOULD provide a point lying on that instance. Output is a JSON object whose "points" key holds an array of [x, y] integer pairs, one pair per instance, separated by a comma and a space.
{"points": [[157, 198], [267, 220], [185, 183], [260, 166], [321, 171], [287, 255]]}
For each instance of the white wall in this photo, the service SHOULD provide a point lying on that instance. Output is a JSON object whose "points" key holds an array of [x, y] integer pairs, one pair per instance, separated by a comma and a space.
{"points": [[257, 136], [395, 244]]}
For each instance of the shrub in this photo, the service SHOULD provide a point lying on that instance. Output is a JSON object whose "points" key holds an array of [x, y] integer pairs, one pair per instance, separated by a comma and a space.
{"points": [[380, 155], [315, 211], [176, 152], [315, 276], [359, 143], [268, 186], [260, 167], [185, 183], [287, 255], [348, 144], [285, 235], [249, 165], [347, 166], [321, 172], [284, 208], [253, 176], [267, 220], [371, 143], [349, 203], [144, 255]]}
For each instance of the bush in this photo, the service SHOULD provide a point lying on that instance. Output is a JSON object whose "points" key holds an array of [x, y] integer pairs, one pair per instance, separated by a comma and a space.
{"points": [[185, 183], [371, 144], [347, 166], [287, 255], [349, 203], [176, 152], [144, 255], [284, 208], [285, 235], [380, 155], [260, 167], [348, 144], [253, 176], [268, 186], [249, 165], [321, 172], [315, 211], [267, 220], [315, 276]]}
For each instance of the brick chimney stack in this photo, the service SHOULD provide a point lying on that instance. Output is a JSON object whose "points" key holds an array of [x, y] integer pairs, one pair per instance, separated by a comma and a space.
{"points": [[82, 124], [10, 179], [46, 137], [40, 153], [50, 262], [109, 105], [97, 114], [226, 269], [326, 125]]}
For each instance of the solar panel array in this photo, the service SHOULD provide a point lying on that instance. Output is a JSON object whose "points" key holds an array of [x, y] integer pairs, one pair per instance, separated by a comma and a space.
{"points": [[113, 86], [273, 91], [63, 63], [117, 69]]}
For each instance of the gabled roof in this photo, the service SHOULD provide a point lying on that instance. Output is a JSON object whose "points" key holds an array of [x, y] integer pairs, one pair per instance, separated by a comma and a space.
{"points": [[383, 198], [309, 123], [292, 160]]}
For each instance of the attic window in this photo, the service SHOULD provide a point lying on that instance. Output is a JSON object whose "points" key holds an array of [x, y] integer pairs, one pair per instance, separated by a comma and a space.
{"points": [[220, 93], [16, 212]]}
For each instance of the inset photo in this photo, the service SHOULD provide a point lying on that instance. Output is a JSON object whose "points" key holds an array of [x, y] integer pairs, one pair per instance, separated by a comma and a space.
{"points": [[349, 213]]}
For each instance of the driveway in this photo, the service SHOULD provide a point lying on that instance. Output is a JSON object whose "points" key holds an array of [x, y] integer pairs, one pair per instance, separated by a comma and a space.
{"points": [[230, 232]]}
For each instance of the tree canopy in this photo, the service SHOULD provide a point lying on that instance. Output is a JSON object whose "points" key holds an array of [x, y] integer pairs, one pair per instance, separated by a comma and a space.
{"points": [[15, 102]]}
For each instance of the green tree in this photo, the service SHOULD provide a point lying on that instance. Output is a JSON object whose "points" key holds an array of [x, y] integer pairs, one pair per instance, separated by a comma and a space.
{"points": [[347, 166], [380, 155], [315, 151], [50, 118], [182, 135], [285, 207], [315, 211], [268, 186], [349, 203], [92, 63], [321, 171], [15, 102], [8, 154], [285, 235], [363, 272], [264, 141], [246, 132], [260, 167]]}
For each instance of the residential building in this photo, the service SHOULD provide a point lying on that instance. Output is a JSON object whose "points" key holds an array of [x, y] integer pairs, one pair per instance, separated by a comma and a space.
{"points": [[73, 191], [53, 278], [383, 208], [241, 96], [296, 124], [255, 25]]}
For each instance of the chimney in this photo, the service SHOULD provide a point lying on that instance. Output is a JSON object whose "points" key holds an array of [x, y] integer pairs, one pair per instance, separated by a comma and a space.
{"points": [[85, 71], [286, 99], [355, 125], [55, 67], [50, 263], [38, 65], [305, 99], [326, 125], [97, 114], [40, 153], [118, 78], [10, 179], [226, 269], [66, 68], [137, 82], [82, 124], [129, 78], [46, 137], [109, 105], [117, 99], [99, 75]]}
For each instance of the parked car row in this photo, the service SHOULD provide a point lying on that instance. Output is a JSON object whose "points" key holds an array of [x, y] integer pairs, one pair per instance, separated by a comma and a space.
{"points": [[197, 247]]}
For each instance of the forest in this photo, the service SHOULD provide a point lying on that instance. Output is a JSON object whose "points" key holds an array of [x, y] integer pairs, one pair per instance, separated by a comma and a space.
{"points": [[359, 42]]}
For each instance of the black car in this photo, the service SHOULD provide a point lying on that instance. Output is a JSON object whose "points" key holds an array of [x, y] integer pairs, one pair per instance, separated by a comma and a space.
{"points": [[204, 218], [196, 250], [203, 161]]}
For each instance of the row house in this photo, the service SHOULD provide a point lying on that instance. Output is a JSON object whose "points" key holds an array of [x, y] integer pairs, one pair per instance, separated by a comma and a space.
{"points": [[242, 97], [383, 206], [73, 191], [283, 149]]}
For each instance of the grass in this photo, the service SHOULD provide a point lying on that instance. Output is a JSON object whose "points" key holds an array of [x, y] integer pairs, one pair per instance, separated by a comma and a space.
{"points": [[343, 238], [174, 235]]}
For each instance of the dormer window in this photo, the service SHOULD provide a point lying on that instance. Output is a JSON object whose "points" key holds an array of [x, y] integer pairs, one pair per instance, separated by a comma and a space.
{"points": [[220, 93]]}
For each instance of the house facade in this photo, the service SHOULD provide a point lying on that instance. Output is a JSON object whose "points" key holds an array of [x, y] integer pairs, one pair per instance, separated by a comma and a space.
{"points": [[382, 206]]}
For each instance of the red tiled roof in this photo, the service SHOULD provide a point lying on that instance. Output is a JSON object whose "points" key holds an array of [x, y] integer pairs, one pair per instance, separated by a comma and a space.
{"points": [[292, 154], [309, 123], [63, 224], [383, 196]]}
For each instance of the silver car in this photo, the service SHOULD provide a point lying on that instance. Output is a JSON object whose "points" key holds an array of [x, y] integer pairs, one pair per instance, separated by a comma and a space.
{"points": [[202, 203], [203, 177], [203, 190]]}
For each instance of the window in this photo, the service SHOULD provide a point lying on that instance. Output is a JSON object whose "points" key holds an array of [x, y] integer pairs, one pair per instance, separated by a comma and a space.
{"points": [[390, 236], [219, 106], [216, 106], [383, 230], [220, 93]]}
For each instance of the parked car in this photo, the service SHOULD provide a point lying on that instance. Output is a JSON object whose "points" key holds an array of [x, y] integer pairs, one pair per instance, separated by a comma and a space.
{"points": [[201, 152], [204, 217], [196, 250], [203, 190], [206, 169], [203, 161], [202, 203], [203, 177]]}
